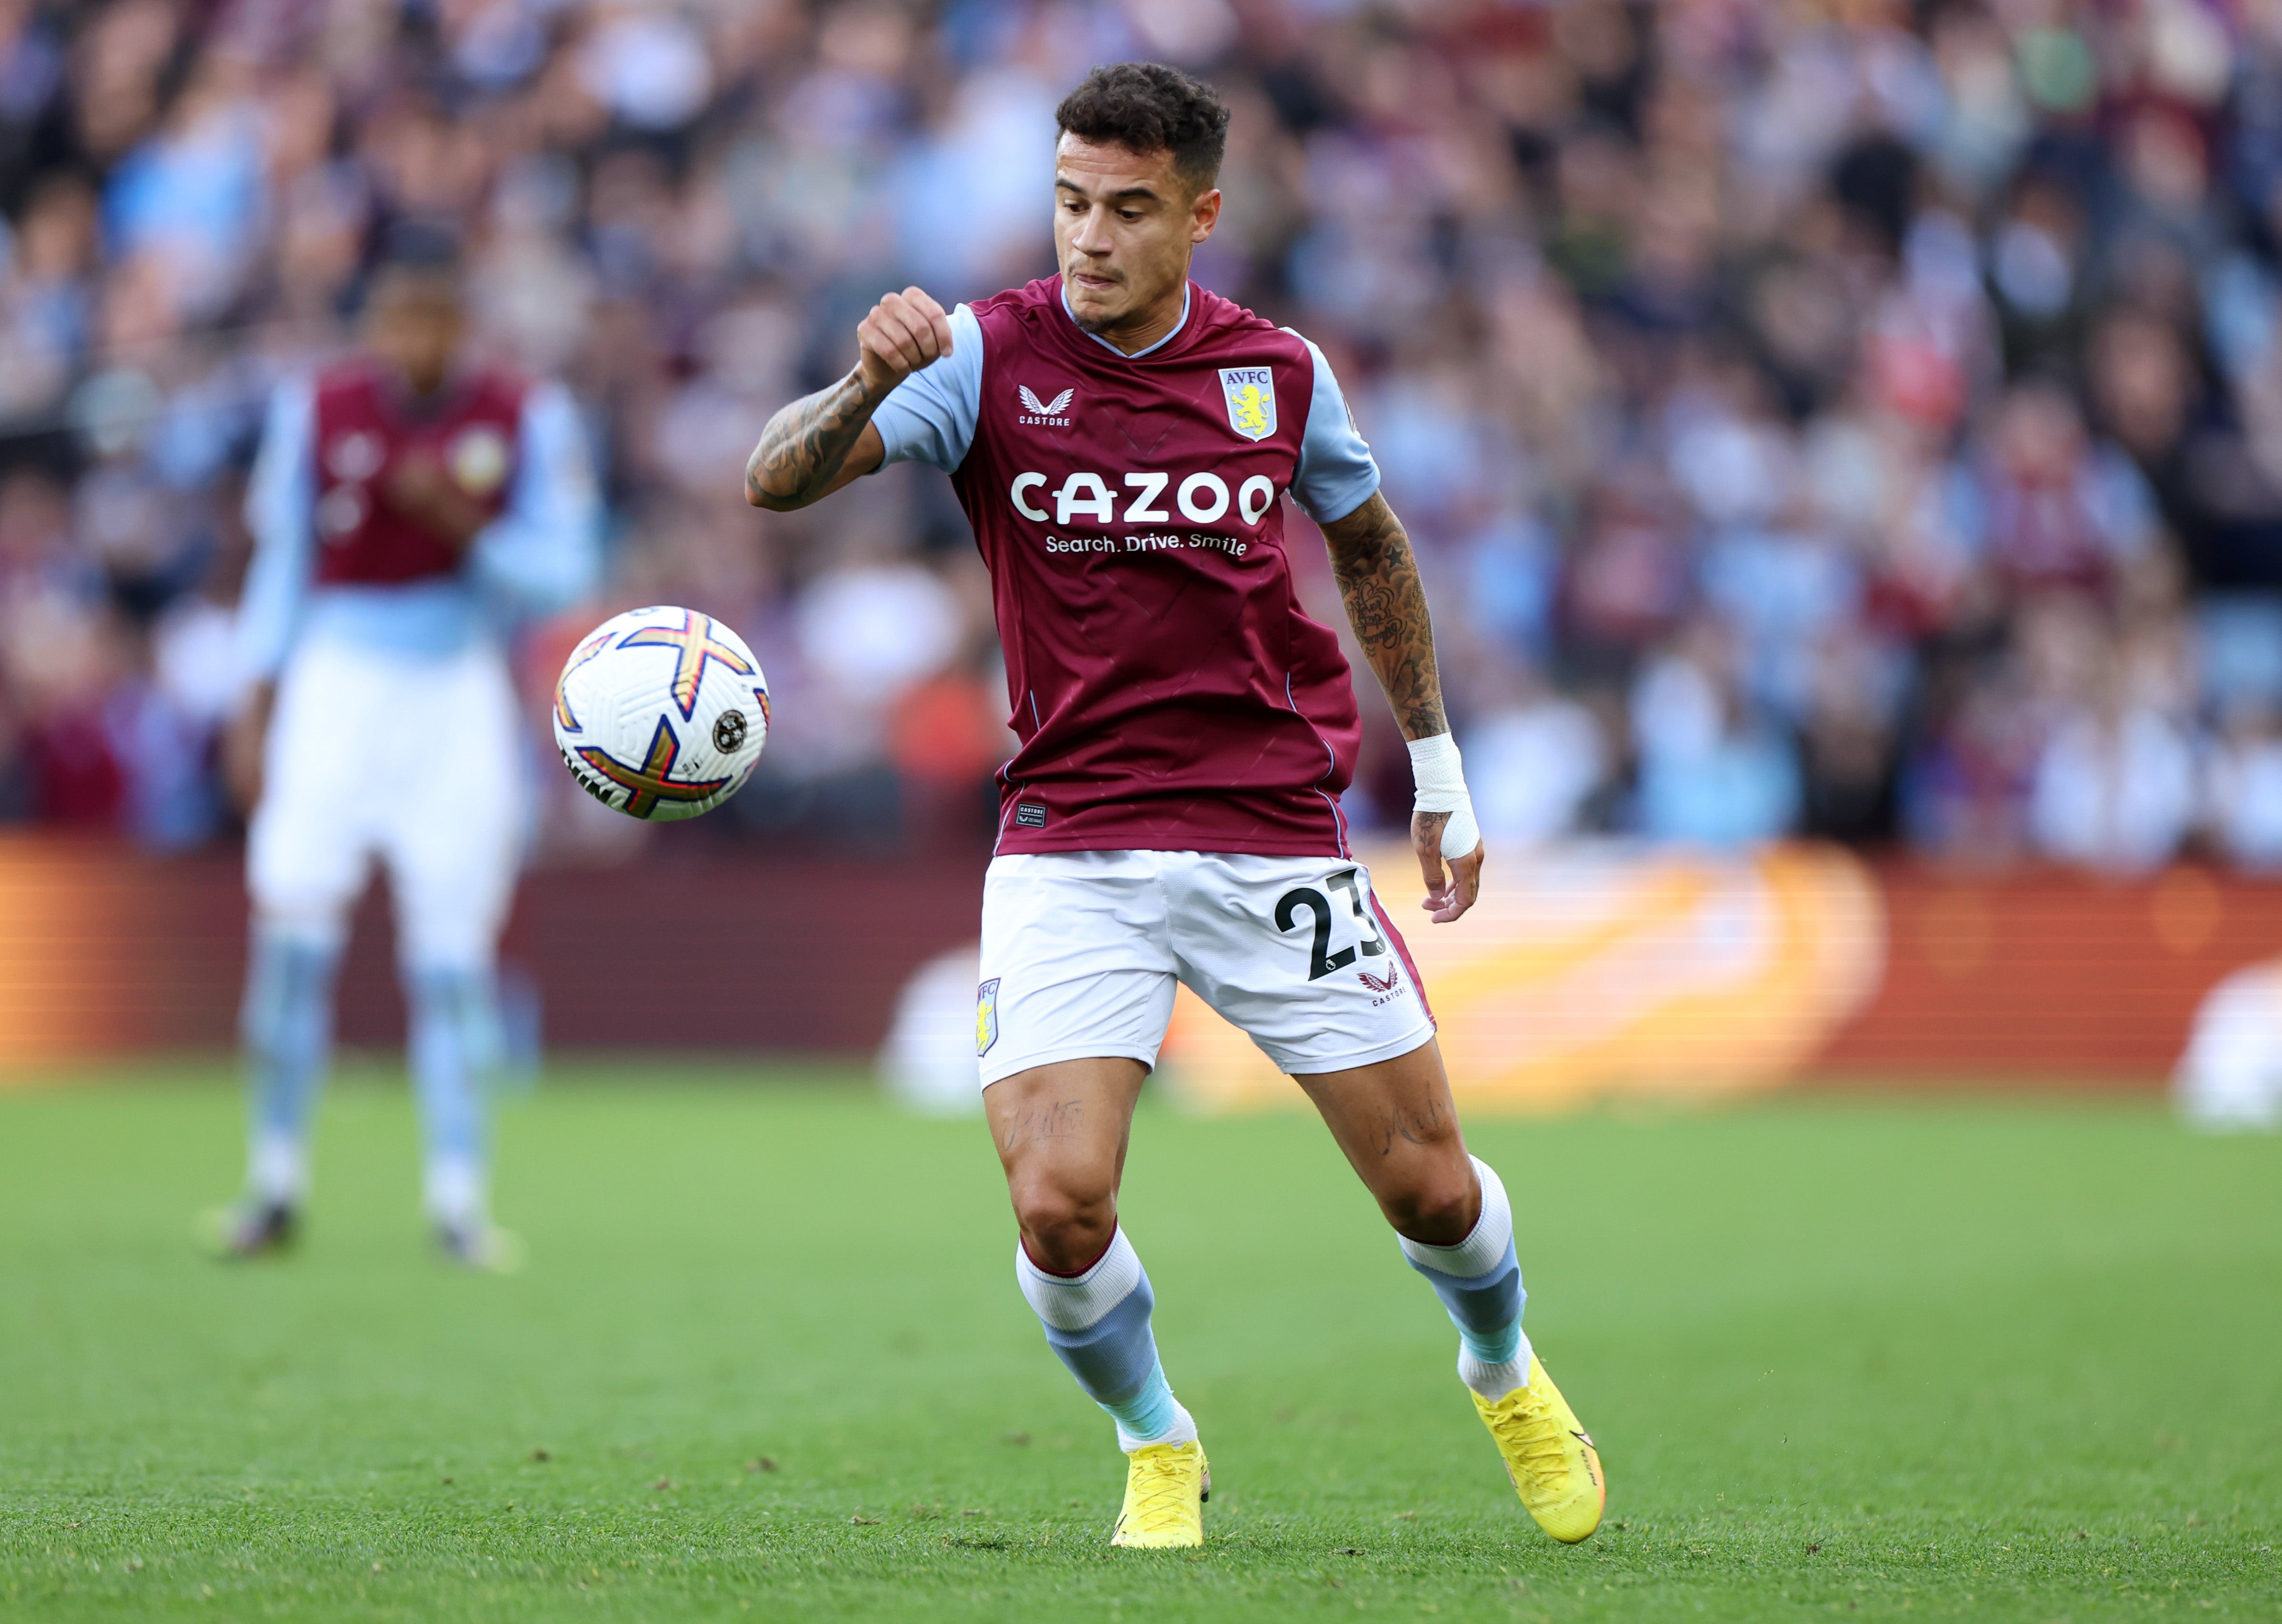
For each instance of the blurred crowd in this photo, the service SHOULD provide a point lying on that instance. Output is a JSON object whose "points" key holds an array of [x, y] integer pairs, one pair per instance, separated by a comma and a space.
{"points": [[1859, 419]]}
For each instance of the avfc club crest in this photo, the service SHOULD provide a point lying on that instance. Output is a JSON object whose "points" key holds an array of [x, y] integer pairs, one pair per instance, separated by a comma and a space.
{"points": [[477, 457], [1250, 393], [986, 1016]]}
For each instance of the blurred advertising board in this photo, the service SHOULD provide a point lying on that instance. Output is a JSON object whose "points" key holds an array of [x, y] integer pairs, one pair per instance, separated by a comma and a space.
{"points": [[1596, 971], [1586, 972]]}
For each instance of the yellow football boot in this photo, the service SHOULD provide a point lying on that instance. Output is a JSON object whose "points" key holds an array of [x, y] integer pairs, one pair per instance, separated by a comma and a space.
{"points": [[1554, 1466], [1166, 1487]]}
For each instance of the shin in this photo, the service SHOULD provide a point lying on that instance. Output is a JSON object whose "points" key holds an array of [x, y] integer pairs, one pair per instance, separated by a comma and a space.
{"points": [[1061, 1133], [455, 1045], [286, 1024], [1479, 1283]]}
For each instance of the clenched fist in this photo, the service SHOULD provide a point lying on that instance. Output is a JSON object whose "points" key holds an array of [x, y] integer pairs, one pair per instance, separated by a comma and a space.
{"points": [[905, 333]]}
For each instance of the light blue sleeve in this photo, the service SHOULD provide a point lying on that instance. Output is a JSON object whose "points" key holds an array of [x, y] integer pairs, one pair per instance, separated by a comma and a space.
{"points": [[930, 416], [544, 552], [1337, 474], [280, 501]]}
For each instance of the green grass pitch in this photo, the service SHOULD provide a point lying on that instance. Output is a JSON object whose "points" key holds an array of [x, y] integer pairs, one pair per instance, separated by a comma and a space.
{"points": [[1843, 1359]]}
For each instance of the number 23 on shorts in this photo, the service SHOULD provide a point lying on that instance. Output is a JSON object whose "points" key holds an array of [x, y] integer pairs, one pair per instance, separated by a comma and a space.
{"points": [[1320, 960]]}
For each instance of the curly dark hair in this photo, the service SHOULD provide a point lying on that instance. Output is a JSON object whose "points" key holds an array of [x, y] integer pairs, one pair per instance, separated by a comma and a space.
{"points": [[1149, 107]]}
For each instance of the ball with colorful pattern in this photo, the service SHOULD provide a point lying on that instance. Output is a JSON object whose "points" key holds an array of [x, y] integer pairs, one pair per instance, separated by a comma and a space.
{"points": [[661, 713]]}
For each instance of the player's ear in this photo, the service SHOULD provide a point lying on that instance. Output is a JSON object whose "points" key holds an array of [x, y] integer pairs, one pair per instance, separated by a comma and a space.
{"points": [[1204, 214]]}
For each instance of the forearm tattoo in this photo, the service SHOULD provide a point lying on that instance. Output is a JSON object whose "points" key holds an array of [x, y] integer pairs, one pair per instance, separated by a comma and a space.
{"points": [[804, 445], [1378, 578]]}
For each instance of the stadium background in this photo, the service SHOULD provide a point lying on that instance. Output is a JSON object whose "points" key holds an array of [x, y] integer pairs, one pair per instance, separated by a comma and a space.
{"points": [[1844, 444]]}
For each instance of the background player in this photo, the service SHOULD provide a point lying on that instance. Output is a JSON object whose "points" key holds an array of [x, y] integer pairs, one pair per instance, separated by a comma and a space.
{"points": [[405, 501], [1121, 439]]}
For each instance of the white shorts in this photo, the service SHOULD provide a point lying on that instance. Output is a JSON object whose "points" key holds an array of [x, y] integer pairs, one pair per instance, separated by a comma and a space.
{"points": [[415, 761], [1081, 952]]}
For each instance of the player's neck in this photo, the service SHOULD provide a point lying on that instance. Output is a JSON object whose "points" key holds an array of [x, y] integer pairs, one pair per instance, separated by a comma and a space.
{"points": [[422, 395], [1144, 329]]}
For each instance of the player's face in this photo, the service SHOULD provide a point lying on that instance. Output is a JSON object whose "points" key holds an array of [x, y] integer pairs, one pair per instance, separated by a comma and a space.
{"points": [[414, 324], [1124, 227]]}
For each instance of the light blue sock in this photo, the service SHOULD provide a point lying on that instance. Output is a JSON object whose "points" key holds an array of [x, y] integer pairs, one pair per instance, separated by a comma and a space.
{"points": [[1097, 1323], [286, 1024], [1151, 1414], [1479, 1283], [454, 1048]]}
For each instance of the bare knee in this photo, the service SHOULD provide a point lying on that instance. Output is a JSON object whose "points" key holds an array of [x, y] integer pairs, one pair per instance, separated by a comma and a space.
{"points": [[1439, 1205], [1064, 1226]]}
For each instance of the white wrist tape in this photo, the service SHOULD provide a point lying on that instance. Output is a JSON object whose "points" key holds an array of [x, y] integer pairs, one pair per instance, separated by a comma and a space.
{"points": [[1441, 788]]}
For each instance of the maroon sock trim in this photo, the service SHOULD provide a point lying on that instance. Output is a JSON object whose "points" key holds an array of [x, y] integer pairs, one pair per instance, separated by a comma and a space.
{"points": [[1057, 1274]]}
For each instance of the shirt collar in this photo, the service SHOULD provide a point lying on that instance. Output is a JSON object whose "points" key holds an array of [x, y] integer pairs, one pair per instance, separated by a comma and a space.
{"points": [[1136, 354]]}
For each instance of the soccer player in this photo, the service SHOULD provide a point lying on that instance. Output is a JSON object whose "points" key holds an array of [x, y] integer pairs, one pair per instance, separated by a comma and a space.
{"points": [[404, 502], [1121, 440]]}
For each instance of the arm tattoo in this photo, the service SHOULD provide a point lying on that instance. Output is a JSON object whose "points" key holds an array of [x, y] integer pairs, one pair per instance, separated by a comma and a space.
{"points": [[804, 445], [1378, 578]]}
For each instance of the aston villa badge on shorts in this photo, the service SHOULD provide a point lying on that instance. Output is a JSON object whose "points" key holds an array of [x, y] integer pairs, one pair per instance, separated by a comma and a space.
{"points": [[1249, 392], [986, 1016]]}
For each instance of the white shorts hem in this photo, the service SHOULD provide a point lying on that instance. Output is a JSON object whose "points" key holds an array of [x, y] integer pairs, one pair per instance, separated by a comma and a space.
{"points": [[1417, 1038], [999, 1072]]}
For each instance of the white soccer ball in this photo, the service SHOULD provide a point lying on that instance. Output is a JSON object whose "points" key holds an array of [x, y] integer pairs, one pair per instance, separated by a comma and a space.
{"points": [[661, 713]]}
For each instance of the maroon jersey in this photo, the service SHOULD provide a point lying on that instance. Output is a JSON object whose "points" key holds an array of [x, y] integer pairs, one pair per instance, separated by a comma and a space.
{"points": [[1168, 691], [363, 431]]}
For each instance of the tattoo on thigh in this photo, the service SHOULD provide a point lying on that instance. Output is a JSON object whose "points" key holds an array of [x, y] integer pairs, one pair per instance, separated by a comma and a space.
{"points": [[1416, 1127], [1062, 1119]]}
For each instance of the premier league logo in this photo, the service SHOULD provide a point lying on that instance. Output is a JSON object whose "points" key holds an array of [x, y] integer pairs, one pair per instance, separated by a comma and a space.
{"points": [[1249, 392]]}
